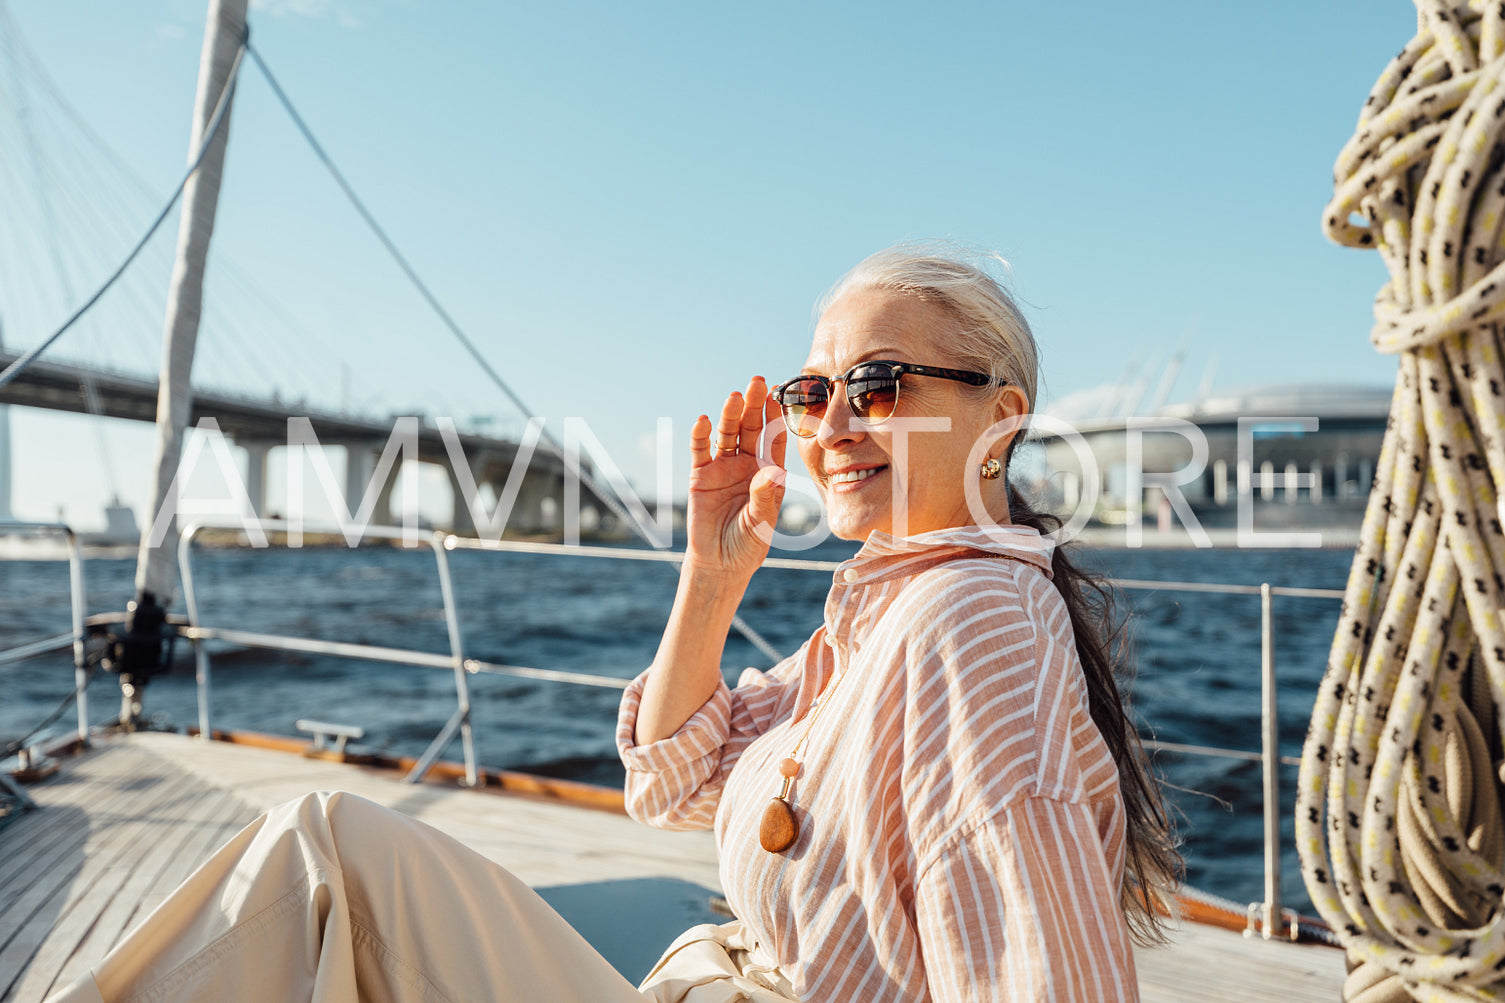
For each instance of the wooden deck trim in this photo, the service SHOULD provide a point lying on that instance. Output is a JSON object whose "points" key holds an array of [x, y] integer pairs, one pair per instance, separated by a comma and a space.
{"points": [[569, 792]]}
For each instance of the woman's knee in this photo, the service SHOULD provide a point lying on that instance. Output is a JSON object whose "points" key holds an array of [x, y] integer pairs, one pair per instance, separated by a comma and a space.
{"points": [[334, 810], [323, 830]]}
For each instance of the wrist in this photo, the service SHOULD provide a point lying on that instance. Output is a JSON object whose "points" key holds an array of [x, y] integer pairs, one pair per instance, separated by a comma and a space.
{"points": [[712, 582]]}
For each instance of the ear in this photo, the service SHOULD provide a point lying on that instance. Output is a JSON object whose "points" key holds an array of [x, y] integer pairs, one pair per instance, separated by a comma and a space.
{"points": [[1010, 403]]}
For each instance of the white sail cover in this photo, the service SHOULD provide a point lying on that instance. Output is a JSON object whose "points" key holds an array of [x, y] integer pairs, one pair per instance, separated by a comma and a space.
{"points": [[156, 570]]}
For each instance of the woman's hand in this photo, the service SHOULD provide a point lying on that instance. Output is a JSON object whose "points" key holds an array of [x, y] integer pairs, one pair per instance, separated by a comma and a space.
{"points": [[735, 493]]}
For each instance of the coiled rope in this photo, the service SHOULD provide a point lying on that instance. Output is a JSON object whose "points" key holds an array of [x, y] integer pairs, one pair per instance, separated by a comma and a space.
{"points": [[1398, 817]]}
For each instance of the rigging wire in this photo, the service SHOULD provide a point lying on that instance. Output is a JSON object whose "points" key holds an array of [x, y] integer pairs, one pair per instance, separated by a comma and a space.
{"points": [[17, 744], [449, 322], [386, 241], [216, 120]]}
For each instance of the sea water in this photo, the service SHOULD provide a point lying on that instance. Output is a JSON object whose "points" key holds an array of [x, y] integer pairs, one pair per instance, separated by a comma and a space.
{"points": [[1195, 658]]}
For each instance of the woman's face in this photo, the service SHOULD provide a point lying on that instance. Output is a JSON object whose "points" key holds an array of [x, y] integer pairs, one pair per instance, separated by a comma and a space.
{"points": [[888, 477]]}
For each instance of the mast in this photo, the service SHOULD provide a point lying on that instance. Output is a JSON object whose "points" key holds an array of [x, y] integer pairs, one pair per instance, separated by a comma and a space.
{"points": [[141, 651]]}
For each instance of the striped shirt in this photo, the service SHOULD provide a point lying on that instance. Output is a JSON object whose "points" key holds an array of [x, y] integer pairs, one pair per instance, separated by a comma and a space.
{"points": [[961, 831]]}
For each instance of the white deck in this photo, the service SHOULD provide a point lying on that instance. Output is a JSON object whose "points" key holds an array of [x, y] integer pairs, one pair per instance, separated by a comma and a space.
{"points": [[122, 825]]}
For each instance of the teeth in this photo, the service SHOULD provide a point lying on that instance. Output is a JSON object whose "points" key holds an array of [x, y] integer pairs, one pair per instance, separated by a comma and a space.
{"points": [[854, 475]]}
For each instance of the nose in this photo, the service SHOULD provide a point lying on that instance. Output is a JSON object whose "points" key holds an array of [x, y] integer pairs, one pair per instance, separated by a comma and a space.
{"points": [[838, 425]]}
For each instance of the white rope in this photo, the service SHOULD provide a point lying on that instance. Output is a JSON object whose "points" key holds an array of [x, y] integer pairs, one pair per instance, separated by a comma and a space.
{"points": [[1398, 817]]}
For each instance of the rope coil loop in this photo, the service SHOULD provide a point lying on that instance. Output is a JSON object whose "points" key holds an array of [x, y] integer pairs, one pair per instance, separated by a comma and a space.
{"points": [[1398, 816]]}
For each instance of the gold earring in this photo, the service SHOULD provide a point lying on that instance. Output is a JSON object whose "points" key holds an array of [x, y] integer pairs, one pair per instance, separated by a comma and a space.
{"points": [[992, 469]]}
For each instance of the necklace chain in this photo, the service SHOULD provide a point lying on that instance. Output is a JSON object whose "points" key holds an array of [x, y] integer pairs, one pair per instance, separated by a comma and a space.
{"points": [[816, 706]]}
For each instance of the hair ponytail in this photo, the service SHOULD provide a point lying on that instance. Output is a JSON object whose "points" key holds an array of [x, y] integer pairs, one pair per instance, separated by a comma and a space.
{"points": [[1153, 865]]}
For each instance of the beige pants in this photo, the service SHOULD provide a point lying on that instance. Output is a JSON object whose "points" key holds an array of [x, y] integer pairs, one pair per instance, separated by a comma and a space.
{"points": [[334, 898]]}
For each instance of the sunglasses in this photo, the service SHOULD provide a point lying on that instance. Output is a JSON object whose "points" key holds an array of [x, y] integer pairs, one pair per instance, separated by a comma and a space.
{"points": [[872, 392]]}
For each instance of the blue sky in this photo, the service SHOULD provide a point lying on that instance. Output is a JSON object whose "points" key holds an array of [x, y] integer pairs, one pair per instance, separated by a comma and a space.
{"points": [[631, 208]]}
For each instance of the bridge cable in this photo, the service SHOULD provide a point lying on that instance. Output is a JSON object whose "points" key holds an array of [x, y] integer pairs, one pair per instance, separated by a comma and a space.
{"points": [[16, 368], [133, 186], [50, 219], [454, 328]]}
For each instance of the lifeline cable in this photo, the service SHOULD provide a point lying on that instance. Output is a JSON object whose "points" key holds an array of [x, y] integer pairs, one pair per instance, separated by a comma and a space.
{"points": [[1398, 817]]}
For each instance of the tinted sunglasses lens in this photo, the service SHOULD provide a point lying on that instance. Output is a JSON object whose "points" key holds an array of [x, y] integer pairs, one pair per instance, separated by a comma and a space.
{"points": [[873, 392], [804, 405]]}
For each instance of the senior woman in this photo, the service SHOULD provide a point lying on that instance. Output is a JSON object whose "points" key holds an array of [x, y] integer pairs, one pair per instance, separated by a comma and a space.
{"points": [[938, 797]]}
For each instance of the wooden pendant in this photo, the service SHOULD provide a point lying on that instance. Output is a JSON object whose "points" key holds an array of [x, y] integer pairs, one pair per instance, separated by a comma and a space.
{"points": [[779, 829]]}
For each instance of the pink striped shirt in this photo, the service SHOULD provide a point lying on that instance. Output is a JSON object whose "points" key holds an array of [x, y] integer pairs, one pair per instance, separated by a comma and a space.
{"points": [[961, 829]]}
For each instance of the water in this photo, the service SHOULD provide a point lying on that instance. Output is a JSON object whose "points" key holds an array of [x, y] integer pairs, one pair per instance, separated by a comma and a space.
{"points": [[1197, 659]]}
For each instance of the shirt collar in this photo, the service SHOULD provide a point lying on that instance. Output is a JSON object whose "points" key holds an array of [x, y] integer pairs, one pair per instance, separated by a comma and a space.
{"points": [[883, 555]]}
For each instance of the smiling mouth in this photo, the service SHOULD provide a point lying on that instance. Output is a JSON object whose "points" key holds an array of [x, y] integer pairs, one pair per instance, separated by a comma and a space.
{"points": [[852, 476]]}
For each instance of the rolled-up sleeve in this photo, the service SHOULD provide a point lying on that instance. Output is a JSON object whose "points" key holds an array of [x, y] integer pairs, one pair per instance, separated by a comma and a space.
{"points": [[676, 782], [1024, 906]]}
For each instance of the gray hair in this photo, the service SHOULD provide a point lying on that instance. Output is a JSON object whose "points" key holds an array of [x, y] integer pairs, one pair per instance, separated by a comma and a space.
{"points": [[993, 336]]}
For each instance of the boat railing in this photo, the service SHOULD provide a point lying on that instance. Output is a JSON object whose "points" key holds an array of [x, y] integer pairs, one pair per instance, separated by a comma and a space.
{"points": [[459, 723], [76, 638], [198, 633]]}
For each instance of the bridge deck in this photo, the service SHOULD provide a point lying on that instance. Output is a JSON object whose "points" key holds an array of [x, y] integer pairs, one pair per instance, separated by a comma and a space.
{"points": [[61, 386]]}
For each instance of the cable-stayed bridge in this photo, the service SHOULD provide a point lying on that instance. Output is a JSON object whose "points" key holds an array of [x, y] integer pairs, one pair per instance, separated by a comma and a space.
{"points": [[72, 208], [259, 424]]}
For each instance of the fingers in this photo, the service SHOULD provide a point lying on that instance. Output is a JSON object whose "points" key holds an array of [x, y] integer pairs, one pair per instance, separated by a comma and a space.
{"points": [[751, 419], [776, 432], [765, 496], [728, 426], [700, 442], [748, 424]]}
